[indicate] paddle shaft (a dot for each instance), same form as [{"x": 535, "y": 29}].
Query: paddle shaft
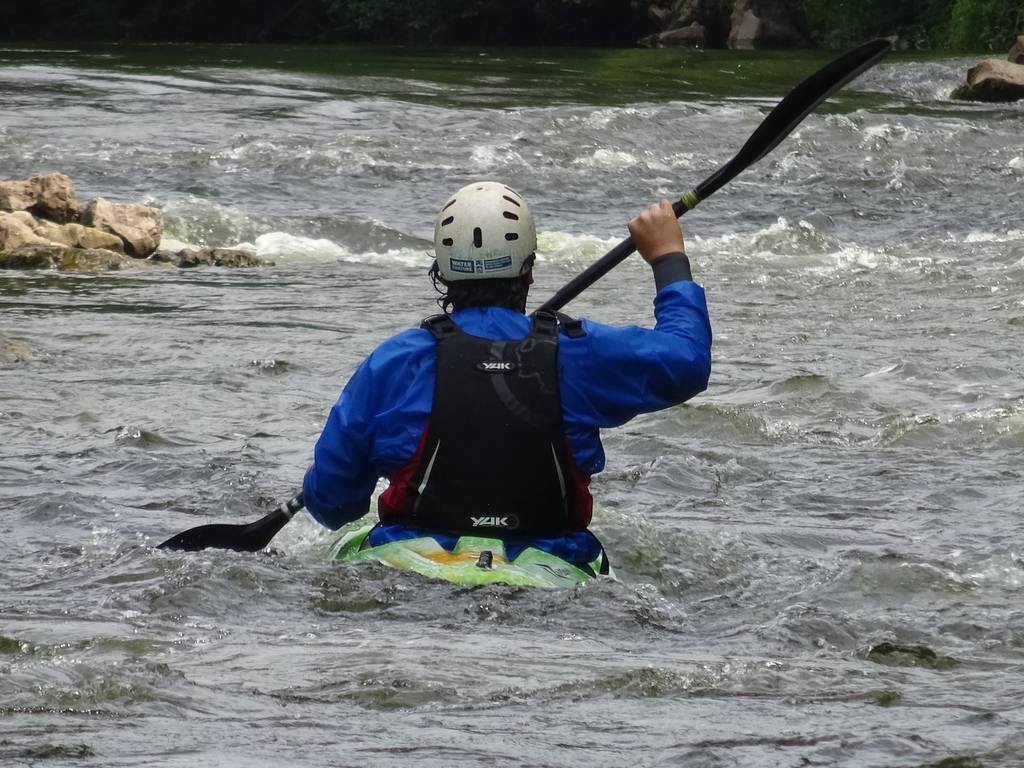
[
  {"x": 598, "y": 269},
  {"x": 779, "y": 123}
]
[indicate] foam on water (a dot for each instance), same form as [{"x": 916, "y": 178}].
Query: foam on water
[{"x": 293, "y": 249}]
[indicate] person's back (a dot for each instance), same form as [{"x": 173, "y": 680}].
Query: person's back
[{"x": 487, "y": 421}]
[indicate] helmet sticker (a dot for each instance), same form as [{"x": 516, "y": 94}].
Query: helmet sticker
[{"x": 503, "y": 262}]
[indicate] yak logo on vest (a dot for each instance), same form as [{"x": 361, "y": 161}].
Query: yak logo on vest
[
  {"x": 494, "y": 521},
  {"x": 491, "y": 366}
]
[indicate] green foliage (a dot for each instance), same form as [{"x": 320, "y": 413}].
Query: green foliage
[
  {"x": 985, "y": 25},
  {"x": 522, "y": 22},
  {"x": 519, "y": 22},
  {"x": 842, "y": 23},
  {"x": 959, "y": 24}
]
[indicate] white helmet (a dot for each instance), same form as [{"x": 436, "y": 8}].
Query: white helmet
[{"x": 484, "y": 231}]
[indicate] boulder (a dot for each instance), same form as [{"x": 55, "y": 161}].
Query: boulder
[
  {"x": 55, "y": 197},
  {"x": 12, "y": 351},
  {"x": 217, "y": 257},
  {"x": 1016, "y": 55},
  {"x": 992, "y": 80},
  {"x": 164, "y": 257},
  {"x": 16, "y": 196},
  {"x": 53, "y": 256},
  {"x": 96, "y": 260},
  {"x": 65, "y": 258},
  {"x": 16, "y": 230},
  {"x": 50, "y": 195},
  {"x": 233, "y": 257},
  {"x": 660, "y": 15},
  {"x": 45, "y": 256},
  {"x": 77, "y": 236},
  {"x": 687, "y": 23},
  {"x": 691, "y": 36},
  {"x": 765, "y": 24},
  {"x": 139, "y": 226}
]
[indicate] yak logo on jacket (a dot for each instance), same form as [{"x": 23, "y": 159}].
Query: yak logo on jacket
[
  {"x": 495, "y": 521},
  {"x": 495, "y": 366}
]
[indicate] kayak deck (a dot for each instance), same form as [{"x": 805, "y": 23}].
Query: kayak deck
[{"x": 475, "y": 560}]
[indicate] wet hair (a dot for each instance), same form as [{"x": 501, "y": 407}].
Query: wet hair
[{"x": 507, "y": 292}]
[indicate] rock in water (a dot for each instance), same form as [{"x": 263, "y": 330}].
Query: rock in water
[
  {"x": 32, "y": 256},
  {"x": 897, "y": 655},
  {"x": 99, "y": 244},
  {"x": 764, "y": 24},
  {"x": 12, "y": 351},
  {"x": 16, "y": 196},
  {"x": 77, "y": 236},
  {"x": 993, "y": 80},
  {"x": 213, "y": 257},
  {"x": 96, "y": 260},
  {"x": 688, "y": 23},
  {"x": 139, "y": 226},
  {"x": 53, "y": 256},
  {"x": 233, "y": 257},
  {"x": 1016, "y": 55},
  {"x": 50, "y": 195},
  {"x": 16, "y": 230},
  {"x": 691, "y": 36},
  {"x": 55, "y": 197}
]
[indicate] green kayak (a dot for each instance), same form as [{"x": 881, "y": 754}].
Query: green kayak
[{"x": 474, "y": 560}]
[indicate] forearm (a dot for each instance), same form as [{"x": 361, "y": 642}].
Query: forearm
[{"x": 671, "y": 268}]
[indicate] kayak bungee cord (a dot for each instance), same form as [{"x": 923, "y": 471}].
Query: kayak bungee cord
[{"x": 779, "y": 123}]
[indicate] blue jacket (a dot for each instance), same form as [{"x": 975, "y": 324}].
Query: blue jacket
[{"x": 607, "y": 377}]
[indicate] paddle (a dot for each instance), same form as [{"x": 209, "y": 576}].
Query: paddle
[
  {"x": 781, "y": 121},
  {"x": 241, "y": 538}
]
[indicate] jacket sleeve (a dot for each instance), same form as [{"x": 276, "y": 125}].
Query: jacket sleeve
[
  {"x": 338, "y": 486},
  {"x": 616, "y": 373}
]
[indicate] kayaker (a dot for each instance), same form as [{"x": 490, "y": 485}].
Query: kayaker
[{"x": 486, "y": 421}]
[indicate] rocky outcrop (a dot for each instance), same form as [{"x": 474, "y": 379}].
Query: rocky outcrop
[
  {"x": 692, "y": 36},
  {"x": 139, "y": 226},
  {"x": 752, "y": 24},
  {"x": 1016, "y": 55},
  {"x": 37, "y": 232},
  {"x": 55, "y": 197},
  {"x": 758, "y": 24},
  {"x": 210, "y": 257},
  {"x": 16, "y": 230},
  {"x": 688, "y": 23},
  {"x": 78, "y": 236},
  {"x": 12, "y": 351},
  {"x": 993, "y": 80},
  {"x": 16, "y": 196},
  {"x": 64, "y": 259},
  {"x": 50, "y": 195}
]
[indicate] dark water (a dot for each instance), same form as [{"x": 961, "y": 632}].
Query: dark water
[{"x": 852, "y": 477}]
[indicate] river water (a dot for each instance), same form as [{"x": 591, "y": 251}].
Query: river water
[{"x": 852, "y": 477}]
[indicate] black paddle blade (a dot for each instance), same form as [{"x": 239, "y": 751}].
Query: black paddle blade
[
  {"x": 241, "y": 538},
  {"x": 797, "y": 105}
]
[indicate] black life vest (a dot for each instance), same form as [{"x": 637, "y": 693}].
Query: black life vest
[{"x": 494, "y": 459}]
